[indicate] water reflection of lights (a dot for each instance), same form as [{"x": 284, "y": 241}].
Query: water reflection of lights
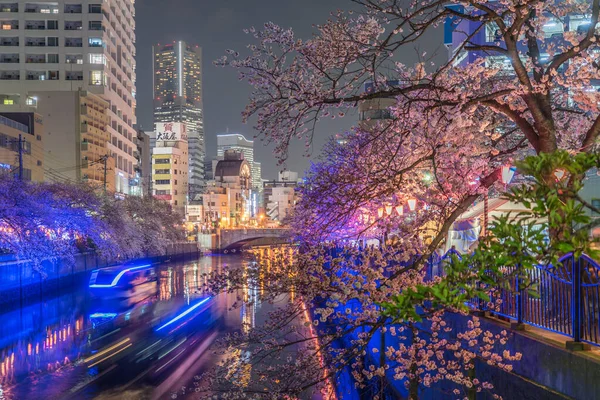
[
  {"x": 184, "y": 281},
  {"x": 186, "y": 285},
  {"x": 49, "y": 354},
  {"x": 170, "y": 282},
  {"x": 319, "y": 355}
]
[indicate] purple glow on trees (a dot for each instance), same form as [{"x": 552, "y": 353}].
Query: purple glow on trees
[{"x": 47, "y": 221}]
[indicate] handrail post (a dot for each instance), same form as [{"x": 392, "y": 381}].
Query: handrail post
[
  {"x": 519, "y": 300},
  {"x": 519, "y": 303},
  {"x": 576, "y": 266},
  {"x": 576, "y": 307}
]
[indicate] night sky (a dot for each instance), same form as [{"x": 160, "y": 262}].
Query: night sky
[{"x": 216, "y": 26}]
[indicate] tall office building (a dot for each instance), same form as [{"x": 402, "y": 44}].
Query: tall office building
[
  {"x": 55, "y": 46},
  {"x": 178, "y": 98},
  {"x": 235, "y": 141}
]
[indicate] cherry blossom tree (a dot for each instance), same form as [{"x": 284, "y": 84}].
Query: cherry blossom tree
[
  {"x": 450, "y": 129},
  {"x": 333, "y": 310},
  {"x": 154, "y": 222},
  {"x": 539, "y": 104},
  {"x": 48, "y": 221}
]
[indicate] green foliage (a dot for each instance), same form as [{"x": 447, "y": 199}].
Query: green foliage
[
  {"x": 556, "y": 222},
  {"x": 553, "y": 198}
]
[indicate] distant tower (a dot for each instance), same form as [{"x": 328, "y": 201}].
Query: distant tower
[{"x": 178, "y": 98}]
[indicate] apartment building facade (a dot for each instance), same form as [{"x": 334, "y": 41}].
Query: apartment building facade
[
  {"x": 22, "y": 146},
  {"x": 67, "y": 46}
]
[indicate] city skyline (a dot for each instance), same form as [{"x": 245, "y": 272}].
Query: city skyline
[
  {"x": 238, "y": 142},
  {"x": 210, "y": 26},
  {"x": 429, "y": 227}
]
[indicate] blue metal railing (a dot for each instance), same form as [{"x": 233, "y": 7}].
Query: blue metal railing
[{"x": 567, "y": 299}]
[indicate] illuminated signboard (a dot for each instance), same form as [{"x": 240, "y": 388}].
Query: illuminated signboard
[{"x": 171, "y": 131}]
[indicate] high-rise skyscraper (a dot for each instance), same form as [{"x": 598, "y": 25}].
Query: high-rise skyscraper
[
  {"x": 235, "y": 141},
  {"x": 50, "y": 47},
  {"x": 178, "y": 98}
]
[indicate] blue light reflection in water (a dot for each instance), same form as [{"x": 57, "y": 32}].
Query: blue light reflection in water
[{"x": 42, "y": 346}]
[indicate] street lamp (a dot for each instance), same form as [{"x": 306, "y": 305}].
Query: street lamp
[{"x": 380, "y": 212}]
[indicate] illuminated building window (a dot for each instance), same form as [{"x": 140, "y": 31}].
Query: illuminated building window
[
  {"x": 9, "y": 102},
  {"x": 97, "y": 59},
  {"x": 96, "y": 78},
  {"x": 95, "y": 42}
]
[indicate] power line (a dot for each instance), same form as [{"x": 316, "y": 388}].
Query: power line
[{"x": 56, "y": 177}]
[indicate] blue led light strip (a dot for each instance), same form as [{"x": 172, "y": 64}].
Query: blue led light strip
[
  {"x": 183, "y": 314},
  {"x": 119, "y": 275},
  {"x": 103, "y": 315}
]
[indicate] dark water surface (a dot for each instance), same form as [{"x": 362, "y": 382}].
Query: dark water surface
[{"x": 74, "y": 346}]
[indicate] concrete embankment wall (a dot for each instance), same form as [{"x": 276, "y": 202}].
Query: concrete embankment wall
[{"x": 21, "y": 284}]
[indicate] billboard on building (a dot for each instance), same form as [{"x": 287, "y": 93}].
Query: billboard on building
[{"x": 171, "y": 131}]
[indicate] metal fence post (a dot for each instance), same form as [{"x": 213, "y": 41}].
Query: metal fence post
[
  {"x": 520, "y": 304},
  {"x": 576, "y": 267},
  {"x": 576, "y": 307}
]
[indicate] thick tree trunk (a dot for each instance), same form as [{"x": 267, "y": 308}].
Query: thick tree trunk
[
  {"x": 413, "y": 386},
  {"x": 472, "y": 392}
]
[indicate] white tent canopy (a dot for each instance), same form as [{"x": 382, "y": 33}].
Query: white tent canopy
[{"x": 465, "y": 231}]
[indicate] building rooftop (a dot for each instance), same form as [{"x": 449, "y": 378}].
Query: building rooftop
[
  {"x": 14, "y": 124},
  {"x": 229, "y": 168}
]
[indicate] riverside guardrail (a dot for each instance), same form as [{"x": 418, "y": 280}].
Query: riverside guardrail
[{"x": 567, "y": 299}]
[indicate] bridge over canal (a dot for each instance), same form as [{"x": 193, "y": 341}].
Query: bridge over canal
[{"x": 232, "y": 240}]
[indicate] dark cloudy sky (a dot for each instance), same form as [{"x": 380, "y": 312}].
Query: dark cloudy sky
[{"x": 216, "y": 26}]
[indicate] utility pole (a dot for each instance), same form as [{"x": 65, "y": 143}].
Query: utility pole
[{"x": 20, "y": 157}]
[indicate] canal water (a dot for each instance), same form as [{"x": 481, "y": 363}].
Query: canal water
[{"x": 74, "y": 346}]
